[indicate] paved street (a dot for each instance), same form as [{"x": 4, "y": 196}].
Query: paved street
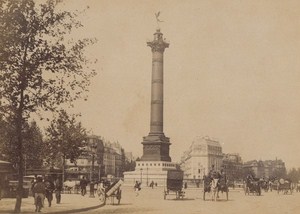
[
  {"x": 70, "y": 203},
  {"x": 150, "y": 201}
]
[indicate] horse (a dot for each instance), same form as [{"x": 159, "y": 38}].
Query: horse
[
  {"x": 214, "y": 185},
  {"x": 223, "y": 186}
]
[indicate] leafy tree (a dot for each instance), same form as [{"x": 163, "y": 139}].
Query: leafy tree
[
  {"x": 294, "y": 175},
  {"x": 7, "y": 150},
  {"x": 247, "y": 171},
  {"x": 66, "y": 138},
  {"x": 39, "y": 69},
  {"x": 33, "y": 146},
  {"x": 279, "y": 173},
  {"x": 129, "y": 165}
]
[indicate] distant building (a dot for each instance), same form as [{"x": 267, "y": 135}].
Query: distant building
[
  {"x": 129, "y": 157},
  {"x": 90, "y": 162},
  {"x": 267, "y": 168},
  {"x": 201, "y": 155},
  {"x": 100, "y": 158},
  {"x": 233, "y": 165},
  {"x": 114, "y": 159}
]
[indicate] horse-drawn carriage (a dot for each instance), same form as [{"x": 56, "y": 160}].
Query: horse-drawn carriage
[
  {"x": 252, "y": 186},
  {"x": 174, "y": 184},
  {"x": 285, "y": 186},
  {"x": 298, "y": 186},
  {"x": 214, "y": 186},
  {"x": 110, "y": 191}
]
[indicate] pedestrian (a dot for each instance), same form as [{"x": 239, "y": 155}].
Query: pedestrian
[
  {"x": 39, "y": 190},
  {"x": 83, "y": 184},
  {"x": 50, "y": 187},
  {"x": 58, "y": 189},
  {"x": 152, "y": 184},
  {"x": 137, "y": 187},
  {"x": 101, "y": 191}
]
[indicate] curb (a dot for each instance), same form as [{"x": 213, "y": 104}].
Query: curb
[
  {"x": 77, "y": 210},
  {"x": 59, "y": 212}
]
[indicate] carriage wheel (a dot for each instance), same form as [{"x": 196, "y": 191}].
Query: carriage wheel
[{"x": 102, "y": 198}]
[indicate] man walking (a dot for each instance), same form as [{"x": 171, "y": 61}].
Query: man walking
[
  {"x": 83, "y": 184},
  {"x": 58, "y": 189}
]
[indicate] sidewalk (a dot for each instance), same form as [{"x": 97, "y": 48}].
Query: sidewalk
[{"x": 70, "y": 203}]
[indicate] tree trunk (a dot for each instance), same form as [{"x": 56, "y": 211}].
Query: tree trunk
[
  {"x": 20, "y": 162},
  {"x": 19, "y": 127},
  {"x": 63, "y": 169}
]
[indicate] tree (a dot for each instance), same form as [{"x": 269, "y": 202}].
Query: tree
[
  {"x": 33, "y": 146},
  {"x": 39, "y": 69},
  {"x": 66, "y": 138},
  {"x": 247, "y": 171},
  {"x": 7, "y": 137},
  {"x": 294, "y": 175}
]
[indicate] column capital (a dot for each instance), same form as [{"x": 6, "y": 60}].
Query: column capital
[{"x": 159, "y": 44}]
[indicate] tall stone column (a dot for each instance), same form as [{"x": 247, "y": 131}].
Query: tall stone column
[{"x": 156, "y": 145}]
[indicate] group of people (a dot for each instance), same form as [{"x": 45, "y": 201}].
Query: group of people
[{"x": 44, "y": 188}]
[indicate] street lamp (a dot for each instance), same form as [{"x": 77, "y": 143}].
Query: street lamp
[
  {"x": 147, "y": 176},
  {"x": 92, "y": 149},
  {"x": 141, "y": 175}
]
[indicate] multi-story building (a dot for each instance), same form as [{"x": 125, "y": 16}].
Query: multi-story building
[
  {"x": 199, "y": 158},
  {"x": 90, "y": 162},
  {"x": 114, "y": 159},
  {"x": 100, "y": 159},
  {"x": 233, "y": 165},
  {"x": 267, "y": 168}
]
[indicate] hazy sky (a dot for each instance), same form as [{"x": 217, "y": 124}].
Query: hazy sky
[{"x": 231, "y": 72}]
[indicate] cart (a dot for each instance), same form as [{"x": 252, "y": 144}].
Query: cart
[
  {"x": 112, "y": 192},
  {"x": 174, "y": 184},
  {"x": 285, "y": 186},
  {"x": 252, "y": 186}
]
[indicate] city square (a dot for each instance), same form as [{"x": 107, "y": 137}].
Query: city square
[
  {"x": 101, "y": 113},
  {"x": 151, "y": 201}
]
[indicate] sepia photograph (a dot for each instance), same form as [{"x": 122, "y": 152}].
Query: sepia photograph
[{"x": 150, "y": 106}]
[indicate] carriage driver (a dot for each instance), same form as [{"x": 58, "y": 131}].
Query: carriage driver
[{"x": 214, "y": 174}]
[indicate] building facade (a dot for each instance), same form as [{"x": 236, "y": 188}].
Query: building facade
[
  {"x": 89, "y": 164},
  {"x": 266, "y": 169},
  {"x": 199, "y": 158},
  {"x": 100, "y": 159},
  {"x": 233, "y": 166}
]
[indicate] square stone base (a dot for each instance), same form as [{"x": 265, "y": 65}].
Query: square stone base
[{"x": 148, "y": 171}]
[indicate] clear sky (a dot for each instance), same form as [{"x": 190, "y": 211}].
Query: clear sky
[{"x": 231, "y": 72}]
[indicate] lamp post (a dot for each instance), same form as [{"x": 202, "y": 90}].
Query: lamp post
[
  {"x": 141, "y": 175},
  {"x": 147, "y": 176},
  {"x": 92, "y": 149}
]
